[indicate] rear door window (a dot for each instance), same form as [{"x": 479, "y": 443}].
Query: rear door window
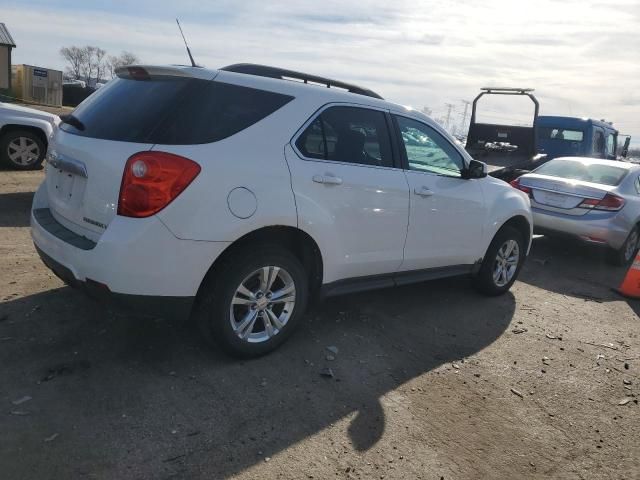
[
  {"x": 172, "y": 110},
  {"x": 348, "y": 134}
]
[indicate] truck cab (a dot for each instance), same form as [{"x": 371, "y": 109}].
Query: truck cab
[{"x": 577, "y": 137}]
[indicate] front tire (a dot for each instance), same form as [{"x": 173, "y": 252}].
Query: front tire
[
  {"x": 502, "y": 262},
  {"x": 253, "y": 301},
  {"x": 22, "y": 150}
]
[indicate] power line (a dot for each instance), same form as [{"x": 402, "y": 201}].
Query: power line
[
  {"x": 464, "y": 115},
  {"x": 449, "y": 108}
]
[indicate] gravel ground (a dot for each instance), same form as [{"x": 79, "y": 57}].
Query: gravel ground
[{"x": 430, "y": 381}]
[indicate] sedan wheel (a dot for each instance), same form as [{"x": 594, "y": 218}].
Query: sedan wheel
[
  {"x": 631, "y": 246},
  {"x": 625, "y": 254},
  {"x": 23, "y": 151}
]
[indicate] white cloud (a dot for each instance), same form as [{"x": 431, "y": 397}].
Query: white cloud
[{"x": 580, "y": 56}]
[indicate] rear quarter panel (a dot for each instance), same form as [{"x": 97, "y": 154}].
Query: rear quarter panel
[{"x": 252, "y": 159}]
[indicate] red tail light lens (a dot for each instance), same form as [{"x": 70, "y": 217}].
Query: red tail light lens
[
  {"x": 152, "y": 180},
  {"x": 610, "y": 202},
  {"x": 516, "y": 184}
]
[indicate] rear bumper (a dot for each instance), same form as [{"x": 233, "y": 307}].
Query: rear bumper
[
  {"x": 160, "y": 306},
  {"x": 607, "y": 229},
  {"x": 141, "y": 263}
]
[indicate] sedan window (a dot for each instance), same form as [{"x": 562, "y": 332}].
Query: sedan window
[{"x": 585, "y": 172}]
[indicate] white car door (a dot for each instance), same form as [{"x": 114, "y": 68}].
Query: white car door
[
  {"x": 447, "y": 212},
  {"x": 350, "y": 196}
]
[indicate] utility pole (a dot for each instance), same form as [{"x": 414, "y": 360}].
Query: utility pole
[
  {"x": 449, "y": 108},
  {"x": 464, "y": 115}
]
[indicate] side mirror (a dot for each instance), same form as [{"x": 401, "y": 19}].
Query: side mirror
[{"x": 476, "y": 169}]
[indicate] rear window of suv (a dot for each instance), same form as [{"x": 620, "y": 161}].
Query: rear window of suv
[{"x": 172, "y": 110}]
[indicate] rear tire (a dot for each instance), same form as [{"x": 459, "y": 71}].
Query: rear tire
[
  {"x": 625, "y": 254},
  {"x": 22, "y": 150},
  {"x": 502, "y": 262},
  {"x": 243, "y": 316}
]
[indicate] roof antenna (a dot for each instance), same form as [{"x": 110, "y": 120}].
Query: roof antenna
[{"x": 193, "y": 63}]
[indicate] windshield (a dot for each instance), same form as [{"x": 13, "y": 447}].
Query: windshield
[{"x": 576, "y": 170}]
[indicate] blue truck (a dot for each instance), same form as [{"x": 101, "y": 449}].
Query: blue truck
[
  {"x": 579, "y": 137},
  {"x": 511, "y": 150}
]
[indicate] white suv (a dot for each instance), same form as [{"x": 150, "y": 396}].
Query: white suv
[{"x": 236, "y": 194}]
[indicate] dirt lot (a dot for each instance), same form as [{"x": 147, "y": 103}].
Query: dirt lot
[{"x": 431, "y": 381}]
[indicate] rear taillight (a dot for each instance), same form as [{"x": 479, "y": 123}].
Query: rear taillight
[
  {"x": 610, "y": 202},
  {"x": 516, "y": 184},
  {"x": 152, "y": 180}
]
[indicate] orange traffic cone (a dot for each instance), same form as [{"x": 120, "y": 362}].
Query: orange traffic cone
[{"x": 630, "y": 286}]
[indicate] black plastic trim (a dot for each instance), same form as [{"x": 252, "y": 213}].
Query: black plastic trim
[
  {"x": 158, "y": 306},
  {"x": 46, "y": 220},
  {"x": 372, "y": 282}
]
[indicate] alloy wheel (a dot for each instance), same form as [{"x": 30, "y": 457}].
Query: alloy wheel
[
  {"x": 262, "y": 304},
  {"x": 506, "y": 263},
  {"x": 23, "y": 151}
]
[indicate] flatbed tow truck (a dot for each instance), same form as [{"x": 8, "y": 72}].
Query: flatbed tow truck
[{"x": 508, "y": 150}]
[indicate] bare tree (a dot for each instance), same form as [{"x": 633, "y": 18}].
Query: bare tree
[
  {"x": 75, "y": 56},
  {"x": 92, "y": 64},
  {"x": 99, "y": 62},
  {"x": 124, "y": 59}
]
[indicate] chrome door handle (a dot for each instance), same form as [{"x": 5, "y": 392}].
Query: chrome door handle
[
  {"x": 327, "y": 179},
  {"x": 423, "y": 191}
]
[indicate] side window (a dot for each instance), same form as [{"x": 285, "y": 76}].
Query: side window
[
  {"x": 598, "y": 142},
  {"x": 427, "y": 150},
  {"x": 311, "y": 143},
  {"x": 636, "y": 183},
  {"x": 348, "y": 134},
  {"x": 611, "y": 150}
]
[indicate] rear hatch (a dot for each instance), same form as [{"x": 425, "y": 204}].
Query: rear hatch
[
  {"x": 588, "y": 187},
  {"x": 87, "y": 156}
]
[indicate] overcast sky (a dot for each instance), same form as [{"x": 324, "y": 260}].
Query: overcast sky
[{"x": 582, "y": 57}]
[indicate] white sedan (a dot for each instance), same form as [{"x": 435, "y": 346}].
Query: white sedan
[{"x": 24, "y": 135}]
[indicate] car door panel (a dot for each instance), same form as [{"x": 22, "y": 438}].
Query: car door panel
[
  {"x": 360, "y": 223},
  {"x": 356, "y": 212},
  {"x": 445, "y": 226},
  {"x": 447, "y": 212}
]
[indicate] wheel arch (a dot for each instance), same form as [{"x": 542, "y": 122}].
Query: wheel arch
[
  {"x": 520, "y": 223},
  {"x": 300, "y": 243},
  {"x": 12, "y": 127}
]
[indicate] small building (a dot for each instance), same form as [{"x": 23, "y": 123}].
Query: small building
[
  {"x": 6, "y": 45},
  {"x": 37, "y": 85}
]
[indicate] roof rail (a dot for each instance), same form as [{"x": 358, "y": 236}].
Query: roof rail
[{"x": 284, "y": 74}]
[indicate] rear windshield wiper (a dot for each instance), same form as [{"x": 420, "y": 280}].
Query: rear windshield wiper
[{"x": 73, "y": 121}]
